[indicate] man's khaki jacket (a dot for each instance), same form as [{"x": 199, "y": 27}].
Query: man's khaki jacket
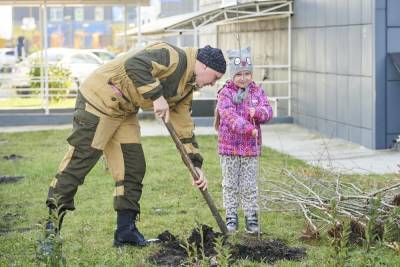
[{"x": 120, "y": 87}]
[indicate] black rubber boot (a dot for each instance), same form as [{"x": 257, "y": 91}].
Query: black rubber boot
[
  {"x": 126, "y": 233},
  {"x": 54, "y": 222}
]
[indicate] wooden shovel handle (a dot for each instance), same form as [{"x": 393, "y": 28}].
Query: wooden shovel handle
[{"x": 193, "y": 172}]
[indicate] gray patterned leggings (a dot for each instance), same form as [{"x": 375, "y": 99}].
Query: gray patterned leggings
[{"x": 239, "y": 176}]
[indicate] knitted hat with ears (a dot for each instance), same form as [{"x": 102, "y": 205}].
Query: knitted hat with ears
[{"x": 239, "y": 60}]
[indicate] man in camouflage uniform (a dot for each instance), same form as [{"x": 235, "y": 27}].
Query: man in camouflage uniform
[{"x": 160, "y": 76}]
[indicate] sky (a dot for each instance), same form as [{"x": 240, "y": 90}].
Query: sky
[{"x": 6, "y": 22}]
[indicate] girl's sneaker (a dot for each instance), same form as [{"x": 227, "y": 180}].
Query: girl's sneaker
[
  {"x": 252, "y": 224},
  {"x": 232, "y": 223}
]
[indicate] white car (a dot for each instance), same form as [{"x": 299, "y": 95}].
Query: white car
[
  {"x": 8, "y": 59},
  {"x": 79, "y": 62},
  {"x": 22, "y": 78},
  {"x": 103, "y": 54}
]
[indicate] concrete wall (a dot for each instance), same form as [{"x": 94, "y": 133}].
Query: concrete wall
[
  {"x": 333, "y": 90},
  {"x": 387, "y": 28}
]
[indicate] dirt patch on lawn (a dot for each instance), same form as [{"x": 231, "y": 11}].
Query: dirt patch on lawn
[
  {"x": 12, "y": 157},
  {"x": 10, "y": 216},
  {"x": 10, "y": 179},
  {"x": 8, "y": 221},
  {"x": 174, "y": 252}
]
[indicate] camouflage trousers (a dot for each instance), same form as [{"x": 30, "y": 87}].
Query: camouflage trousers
[{"x": 92, "y": 135}]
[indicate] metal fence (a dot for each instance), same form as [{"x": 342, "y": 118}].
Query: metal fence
[{"x": 17, "y": 87}]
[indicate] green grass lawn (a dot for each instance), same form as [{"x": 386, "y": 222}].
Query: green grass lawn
[{"x": 169, "y": 202}]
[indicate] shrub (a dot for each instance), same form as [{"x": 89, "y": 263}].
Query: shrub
[{"x": 59, "y": 82}]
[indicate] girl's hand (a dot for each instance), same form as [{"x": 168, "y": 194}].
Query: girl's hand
[
  {"x": 254, "y": 133},
  {"x": 252, "y": 112}
]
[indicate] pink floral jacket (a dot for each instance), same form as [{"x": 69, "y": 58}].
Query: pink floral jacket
[{"x": 236, "y": 125}]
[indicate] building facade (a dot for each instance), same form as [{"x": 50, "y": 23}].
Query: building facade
[
  {"x": 94, "y": 26},
  {"x": 171, "y": 8},
  {"x": 74, "y": 27},
  {"x": 343, "y": 82},
  {"x": 333, "y": 90},
  {"x": 387, "y": 78}
]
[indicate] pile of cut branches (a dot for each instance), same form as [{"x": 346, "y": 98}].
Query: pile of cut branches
[{"x": 328, "y": 202}]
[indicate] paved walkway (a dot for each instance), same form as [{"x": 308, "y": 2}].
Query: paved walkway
[
  {"x": 334, "y": 154},
  {"x": 147, "y": 128}
]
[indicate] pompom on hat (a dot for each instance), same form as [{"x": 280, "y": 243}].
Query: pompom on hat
[{"x": 213, "y": 58}]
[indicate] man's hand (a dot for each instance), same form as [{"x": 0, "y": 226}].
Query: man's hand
[
  {"x": 161, "y": 108},
  {"x": 201, "y": 183}
]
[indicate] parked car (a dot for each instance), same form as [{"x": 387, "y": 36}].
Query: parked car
[
  {"x": 22, "y": 78},
  {"x": 7, "y": 59},
  {"x": 80, "y": 63},
  {"x": 103, "y": 54}
]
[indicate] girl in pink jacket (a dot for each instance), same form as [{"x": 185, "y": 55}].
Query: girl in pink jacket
[{"x": 242, "y": 106}]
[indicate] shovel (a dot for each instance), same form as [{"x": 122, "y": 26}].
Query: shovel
[{"x": 194, "y": 173}]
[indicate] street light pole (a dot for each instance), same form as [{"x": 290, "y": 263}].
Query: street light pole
[
  {"x": 139, "y": 25},
  {"x": 125, "y": 27},
  {"x": 46, "y": 65}
]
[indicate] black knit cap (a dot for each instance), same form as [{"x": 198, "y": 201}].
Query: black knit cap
[{"x": 213, "y": 58}]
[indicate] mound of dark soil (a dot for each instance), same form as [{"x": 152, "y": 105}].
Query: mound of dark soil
[
  {"x": 173, "y": 252},
  {"x": 266, "y": 251},
  {"x": 209, "y": 238}
]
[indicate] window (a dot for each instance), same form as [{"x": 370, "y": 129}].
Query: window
[
  {"x": 228, "y": 2},
  {"x": 89, "y": 12},
  {"x": 91, "y": 60},
  {"x": 104, "y": 55},
  {"x": 99, "y": 13},
  {"x": 78, "y": 59},
  {"x": 54, "y": 56},
  {"x": 56, "y": 14},
  {"x": 84, "y": 59},
  {"x": 118, "y": 13},
  {"x": 132, "y": 14},
  {"x": 79, "y": 14}
]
